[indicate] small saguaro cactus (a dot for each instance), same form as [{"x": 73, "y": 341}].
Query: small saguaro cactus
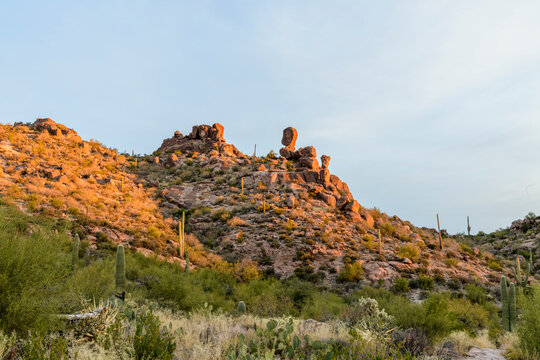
[
  {"x": 75, "y": 252},
  {"x": 517, "y": 273},
  {"x": 241, "y": 307},
  {"x": 187, "y": 261},
  {"x": 120, "y": 269},
  {"x": 440, "y": 237},
  {"x": 242, "y": 187},
  {"x": 468, "y": 227},
  {"x": 181, "y": 236},
  {"x": 508, "y": 304},
  {"x": 380, "y": 244}
]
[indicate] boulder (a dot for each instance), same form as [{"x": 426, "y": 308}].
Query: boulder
[
  {"x": 289, "y": 137},
  {"x": 343, "y": 200},
  {"x": 311, "y": 176},
  {"x": 309, "y": 163},
  {"x": 171, "y": 160},
  {"x": 287, "y": 152},
  {"x": 329, "y": 199},
  {"x": 306, "y": 152},
  {"x": 216, "y": 132},
  {"x": 324, "y": 176},
  {"x": 325, "y": 161},
  {"x": 353, "y": 206}
]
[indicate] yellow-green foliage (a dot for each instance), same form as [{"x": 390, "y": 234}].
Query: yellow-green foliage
[
  {"x": 409, "y": 251},
  {"x": 351, "y": 272}
]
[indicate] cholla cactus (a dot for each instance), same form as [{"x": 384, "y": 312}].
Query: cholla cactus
[{"x": 372, "y": 323}]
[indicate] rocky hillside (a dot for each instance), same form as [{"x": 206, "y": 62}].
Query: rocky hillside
[
  {"x": 292, "y": 216},
  {"x": 287, "y": 212},
  {"x": 47, "y": 168},
  {"x": 521, "y": 239}
]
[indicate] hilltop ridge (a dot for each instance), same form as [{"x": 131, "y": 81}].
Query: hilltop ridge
[{"x": 286, "y": 214}]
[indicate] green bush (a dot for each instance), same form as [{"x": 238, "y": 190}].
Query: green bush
[
  {"x": 351, "y": 273},
  {"x": 475, "y": 294},
  {"x": 400, "y": 285},
  {"x": 528, "y": 328},
  {"x": 33, "y": 266},
  {"x": 409, "y": 251},
  {"x": 151, "y": 342}
]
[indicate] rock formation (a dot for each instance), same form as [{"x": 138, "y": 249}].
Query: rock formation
[
  {"x": 289, "y": 141},
  {"x": 202, "y": 139}
]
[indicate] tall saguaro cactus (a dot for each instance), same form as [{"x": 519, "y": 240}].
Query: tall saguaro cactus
[
  {"x": 75, "y": 252},
  {"x": 120, "y": 269},
  {"x": 181, "y": 236},
  {"x": 517, "y": 273},
  {"x": 508, "y": 304},
  {"x": 440, "y": 237},
  {"x": 380, "y": 244}
]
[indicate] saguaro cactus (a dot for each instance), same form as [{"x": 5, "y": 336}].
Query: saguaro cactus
[
  {"x": 517, "y": 273},
  {"x": 181, "y": 236},
  {"x": 75, "y": 252},
  {"x": 440, "y": 237},
  {"x": 508, "y": 304},
  {"x": 468, "y": 227},
  {"x": 512, "y": 306},
  {"x": 120, "y": 269},
  {"x": 242, "y": 187},
  {"x": 187, "y": 261},
  {"x": 380, "y": 244}
]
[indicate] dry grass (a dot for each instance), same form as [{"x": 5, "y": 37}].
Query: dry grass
[
  {"x": 463, "y": 341},
  {"x": 207, "y": 336}
]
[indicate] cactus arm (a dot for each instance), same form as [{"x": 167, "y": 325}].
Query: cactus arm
[
  {"x": 504, "y": 305},
  {"x": 512, "y": 306},
  {"x": 75, "y": 252}
]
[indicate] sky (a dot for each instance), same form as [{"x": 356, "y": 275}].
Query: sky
[{"x": 425, "y": 107}]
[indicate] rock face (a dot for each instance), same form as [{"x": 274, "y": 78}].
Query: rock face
[
  {"x": 47, "y": 124},
  {"x": 202, "y": 139}
]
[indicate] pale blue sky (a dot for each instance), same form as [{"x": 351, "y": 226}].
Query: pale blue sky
[{"x": 424, "y": 106}]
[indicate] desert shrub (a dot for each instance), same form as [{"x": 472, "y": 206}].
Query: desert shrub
[
  {"x": 451, "y": 262},
  {"x": 475, "y": 294},
  {"x": 388, "y": 229},
  {"x": 424, "y": 282},
  {"x": 400, "y": 285},
  {"x": 32, "y": 268},
  {"x": 411, "y": 341},
  {"x": 528, "y": 328},
  {"x": 151, "y": 341},
  {"x": 322, "y": 306},
  {"x": 409, "y": 251},
  {"x": 351, "y": 272}
]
